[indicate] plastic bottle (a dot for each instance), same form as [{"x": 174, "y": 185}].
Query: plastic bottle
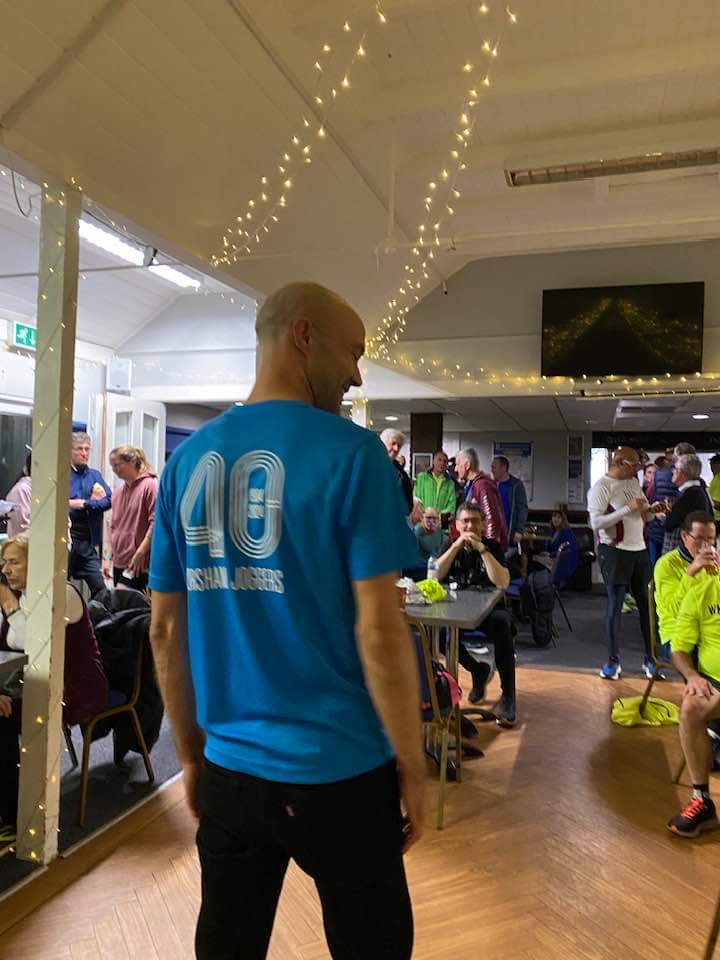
[{"x": 433, "y": 569}]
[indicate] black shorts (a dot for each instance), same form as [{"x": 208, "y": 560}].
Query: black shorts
[{"x": 621, "y": 567}]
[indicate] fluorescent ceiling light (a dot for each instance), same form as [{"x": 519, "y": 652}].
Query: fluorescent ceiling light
[
  {"x": 701, "y": 416},
  {"x": 392, "y": 419},
  {"x": 174, "y": 276},
  {"x": 111, "y": 243}
]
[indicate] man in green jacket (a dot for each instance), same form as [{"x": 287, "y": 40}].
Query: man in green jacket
[
  {"x": 434, "y": 489},
  {"x": 674, "y": 571},
  {"x": 696, "y": 655}
]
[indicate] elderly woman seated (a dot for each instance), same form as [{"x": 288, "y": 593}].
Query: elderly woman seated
[{"x": 85, "y": 685}]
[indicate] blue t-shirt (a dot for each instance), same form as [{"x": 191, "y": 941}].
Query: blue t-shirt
[
  {"x": 265, "y": 517},
  {"x": 504, "y": 488}
]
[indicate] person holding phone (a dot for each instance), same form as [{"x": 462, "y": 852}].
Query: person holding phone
[{"x": 618, "y": 510}]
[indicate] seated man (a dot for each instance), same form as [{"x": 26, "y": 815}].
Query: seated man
[
  {"x": 674, "y": 571},
  {"x": 696, "y": 655},
  {"x": 474, "y": 561},
  {"x": 432, "y": 541}
]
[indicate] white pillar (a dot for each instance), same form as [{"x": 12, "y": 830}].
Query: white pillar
[
  {"x": 48, "y": 555},
  {"x": 360, "y": 412}
]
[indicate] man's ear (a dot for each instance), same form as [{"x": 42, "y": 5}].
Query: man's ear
[{"x": 301, "y": 332}]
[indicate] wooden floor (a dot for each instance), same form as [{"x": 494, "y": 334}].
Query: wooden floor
[{"x": 555, "y": 847}]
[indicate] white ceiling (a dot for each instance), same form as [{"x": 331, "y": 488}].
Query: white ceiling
[
  {"x": 113, "y": 304},
  {"x": 169, "y": 111},
  {"x": 573, "y": 414}
]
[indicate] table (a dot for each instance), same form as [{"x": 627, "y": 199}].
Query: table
[
  {"x": 468, "y": 612},
  {"x": 10, "y": 661}
]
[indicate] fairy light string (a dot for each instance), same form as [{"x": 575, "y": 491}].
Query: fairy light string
[
  {"x": 248, "y": 230},
  {"x": 442, "y": 197}
]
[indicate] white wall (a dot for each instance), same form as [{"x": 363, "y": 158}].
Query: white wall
[
  {"x": 492, "y": 311},
  {"x": 549, "y": 460}
]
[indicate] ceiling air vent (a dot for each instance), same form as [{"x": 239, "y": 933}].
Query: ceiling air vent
[{"x": 646, "y": 162}]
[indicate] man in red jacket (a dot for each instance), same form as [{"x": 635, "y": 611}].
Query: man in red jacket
[{"x": 480, "y": 488}]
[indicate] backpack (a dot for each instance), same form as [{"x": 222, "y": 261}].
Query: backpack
[
  {"x": 447, "y": 691},
  {"x": 537, "y": 601}
]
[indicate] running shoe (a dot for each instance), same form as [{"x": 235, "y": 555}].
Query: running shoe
[
  {"x": 699, "y": 815},
  {"x": 648, "y": 668},
  {"x": 611, "y": 670}
]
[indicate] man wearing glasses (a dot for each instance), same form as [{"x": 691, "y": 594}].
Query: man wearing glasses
[
  {"x": 695, "y": 641},
  {"x": 618, "y": 509}
]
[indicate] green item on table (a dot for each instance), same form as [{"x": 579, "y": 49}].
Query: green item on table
[{"x": 432, "y": 590}]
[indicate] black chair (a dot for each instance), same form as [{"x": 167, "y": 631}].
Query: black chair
[
  {"x": 117, "y": 705},
  {"x": 553, "y": 571}
]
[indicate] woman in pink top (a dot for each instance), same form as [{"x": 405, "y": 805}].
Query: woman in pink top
[
  {"x": 132, "y": 518},
  {"x": 20, "y": 495}
]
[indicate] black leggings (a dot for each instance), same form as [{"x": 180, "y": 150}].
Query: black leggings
[
  {"x": 613, "y": 614},
  {"x": 498, "y": 631}
]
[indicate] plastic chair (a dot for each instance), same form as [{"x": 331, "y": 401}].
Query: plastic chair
[
  {"x": 88, "y": 727},
  {"x": 437, "y": 721}
]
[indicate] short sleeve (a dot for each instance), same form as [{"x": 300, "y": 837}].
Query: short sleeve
[
  {"x": 166, "y": 571},
  {"x": 376, "y": 535}
]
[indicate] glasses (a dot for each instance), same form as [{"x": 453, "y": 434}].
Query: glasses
[
  {"x": 701, "y": 540},
  {"x": 432, "y": 519}
]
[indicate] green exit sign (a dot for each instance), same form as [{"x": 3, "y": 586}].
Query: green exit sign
[{"x": 24, "y": 336}]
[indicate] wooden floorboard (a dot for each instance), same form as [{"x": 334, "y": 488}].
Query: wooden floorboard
[{"x": 555, "y": 848}]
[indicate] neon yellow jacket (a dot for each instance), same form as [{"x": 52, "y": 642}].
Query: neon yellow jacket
[
  {"x": 438, "y": 493},
  {"x": 671, "y": 582},
  {"x": 698, "y": 623}
]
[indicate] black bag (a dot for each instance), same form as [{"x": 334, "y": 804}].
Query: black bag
[{"x": 537, "y": 601}]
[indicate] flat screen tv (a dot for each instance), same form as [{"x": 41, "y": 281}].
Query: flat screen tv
[{"x": 643, "y": 330}]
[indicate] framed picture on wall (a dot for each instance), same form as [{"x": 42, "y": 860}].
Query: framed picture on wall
[{"x": 420, "y": 463}]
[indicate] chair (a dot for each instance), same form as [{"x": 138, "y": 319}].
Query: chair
[
  {"x": 128, "y": 706},
  {"x": 553, "y": 571},
  {"x": 437, "y": 722},
  {"x": 655, "y": 654}
]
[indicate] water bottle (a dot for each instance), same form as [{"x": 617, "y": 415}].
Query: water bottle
[{"x": 433, "y": 569}]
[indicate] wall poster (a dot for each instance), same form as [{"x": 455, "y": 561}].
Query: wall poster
[{"x": 520, "y": 455}]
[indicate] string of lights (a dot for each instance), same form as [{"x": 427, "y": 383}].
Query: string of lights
[
  {"x": 39, "y": 819},
  {"x": 440, "y": 201},
  {"x": 248, "y": 230}
]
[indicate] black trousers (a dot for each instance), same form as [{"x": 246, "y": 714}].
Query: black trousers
[
  {"x": 498, "y": 631},
  {"x": 85, "y": 565},
  {"x": 136, "y": 583},
  {"x": 347, "y": 836},
  {"x": 9, "y": 759}
]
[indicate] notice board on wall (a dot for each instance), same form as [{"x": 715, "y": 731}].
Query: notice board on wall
[{"x": 520, "y": 455}]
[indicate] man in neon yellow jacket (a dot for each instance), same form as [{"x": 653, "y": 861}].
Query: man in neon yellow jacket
[
  {"x": 434, "y": 489},
  {"x": 695, "y": 644},
  {"x": 674, "y": 571}
]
